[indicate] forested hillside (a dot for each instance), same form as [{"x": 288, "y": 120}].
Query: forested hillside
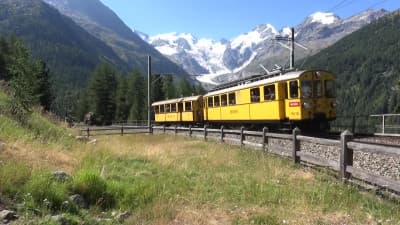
[
  {"x": 367, "y": 65},
  {"x": 69, "y": 50},
  {"x": 101, "y": 22}
]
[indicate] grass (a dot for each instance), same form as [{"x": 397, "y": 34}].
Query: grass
[{"x": 176, "y": 180}]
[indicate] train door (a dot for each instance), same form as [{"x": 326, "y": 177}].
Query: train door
[
  {"x": 292, "y": 102},
  {"x": 180, "y": 110}
]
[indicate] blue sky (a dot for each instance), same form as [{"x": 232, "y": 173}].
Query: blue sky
[{"x": 227, "y": 19}]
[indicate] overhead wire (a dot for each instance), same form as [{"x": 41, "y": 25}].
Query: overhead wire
[
  {"x": 378, "y": 3},
  {"x": 338, "y": 5}
]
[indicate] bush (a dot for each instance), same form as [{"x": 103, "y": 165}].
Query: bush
[
  {"x": 46, "y": 192},
  {"x": 12, "y": 176},
  {"x": 93, "y": 189}
]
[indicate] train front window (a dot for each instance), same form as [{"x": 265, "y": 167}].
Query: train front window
[
  {"x": 294, "y": 89},
  {"x": 330, "y": 89},
  {"x": 306, "y": 88},
  {"x": 269, "y": 93},
  {"x": 255, "y": 95},
  {"x": 188, "y": 106},
  {"x": 232, "y": 99},
  {"x": 156, "y": 109},
  {"x": 216, "y": 100},
  {"x": 223, "y": 100},
  {"x": 210, "y": 101},
  {"x": 317, "y": 88}
]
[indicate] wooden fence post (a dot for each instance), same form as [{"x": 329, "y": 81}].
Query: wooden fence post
[
  {"x": 88, "y": 132},
  {"x": 205, "y": 132},
  {"x": 346, "y": 155},
  {"x": 151, "y": 129},
  {"x": 190, "y": 130},
  {"x": 241, "y": 136},
  {"x": 296, "y": 145},
  {"x": 122, "y": 129},
  {"x": 164, "y": 128},
  {"x": 222, "y": 133},
  {"x": 176, "y": 129},
  {"x": 265, "y": 138}
]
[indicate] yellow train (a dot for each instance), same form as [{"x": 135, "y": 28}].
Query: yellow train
[{"x": 298, "y": 98}]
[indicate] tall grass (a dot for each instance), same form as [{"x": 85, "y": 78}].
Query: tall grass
[{"x": 174, "y": 180}]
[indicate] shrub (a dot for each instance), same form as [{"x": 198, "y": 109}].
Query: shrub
[
  {"x": 46, "y": 192},
  {"x": 12, "y": 177},
  {"x": 93, "y": 189}
]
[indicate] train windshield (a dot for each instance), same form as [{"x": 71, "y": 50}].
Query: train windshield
[
  {"x": 317, "y": 88},
  {"x": 330, "y": 89},
  {"x": 306, "y": 89}
]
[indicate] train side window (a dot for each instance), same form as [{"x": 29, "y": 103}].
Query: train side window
[
  {"x": 255, "y": 95},
  {"x": 306, "y": 89},
  {"x": 210, "y": 102},
  {"x": 216, "y": 100},
  {"x": 180, "y": 107},
  {"x": 317, "y": 88},
  {"x": 188, "y": 106},
  {"x": 285, "y": 90},
  {"x": 294, "y": 89},
  {"x": 223, "y": 100},
  {"x": 330, "y": 89},
  {"x": 173, "y": 107},
  {"x": 156, "y": 109},
  {"x": 161, "y": 108},
  {"x": 232, "y": 99},
  {"x": 269, "y": 93}
]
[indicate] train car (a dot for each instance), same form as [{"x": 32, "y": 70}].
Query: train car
[
  {"x": 186, "y": 110},
  {"x": 297, "y": 98}
]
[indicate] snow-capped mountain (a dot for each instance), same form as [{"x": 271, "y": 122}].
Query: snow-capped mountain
[
  {"x": 205, "y": 56},
  {"x": 222, "y": 61}
]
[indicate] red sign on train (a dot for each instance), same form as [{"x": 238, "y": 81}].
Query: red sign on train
[{"x": 294, "y": 104}]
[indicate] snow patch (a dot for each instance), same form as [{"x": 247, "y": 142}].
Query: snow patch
[
  {"x": 324, "y": 18},
  {"x": 246, "y": 40},
  {"x": 167, "y": 49}
]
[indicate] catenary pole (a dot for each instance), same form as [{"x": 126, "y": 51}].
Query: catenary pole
[
  {"x": 148, "y": 93},
  {"x": 292, "y": 49}
]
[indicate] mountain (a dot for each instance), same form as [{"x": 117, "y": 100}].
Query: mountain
[
  {"x": 223, "y": 61},
  {"x": 104, "y": 24},
  {"x": 70, "y": 51},
  {"x": 367, "y": 67},
  {"x": 205, "y": 56}
]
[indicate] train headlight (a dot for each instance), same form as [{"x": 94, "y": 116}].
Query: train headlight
[
  {"x": 306, "y": 105},
  {"x": 333, "y": 104}
]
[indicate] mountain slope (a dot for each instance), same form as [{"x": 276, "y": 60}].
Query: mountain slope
[
  {"x": 103, "y": 23},
  {"x": 367, "y": 68},
  {"x": 69, "y": 50}
]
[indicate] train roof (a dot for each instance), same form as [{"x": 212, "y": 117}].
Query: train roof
[
  {"x": 177, "y": 100},
  {"x": 251, "y": 83}
]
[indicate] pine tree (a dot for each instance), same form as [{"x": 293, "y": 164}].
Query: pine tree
[
  {"x": 82, "y": 105},
  {"x": 137, "y": 97},
  {"x": 169, "y": 87},
  {"x": 3, "y": 53},
  {"x": 157, "y": 90},
  {"x": 102, "y": 92},
  {"x": 184, "y": 88},
  {"x": 43, "y": 85},
  {"x": 122, "y": 101},
  {"x": 19, "y": 70},
  {"x": 199, "y": 90}
]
